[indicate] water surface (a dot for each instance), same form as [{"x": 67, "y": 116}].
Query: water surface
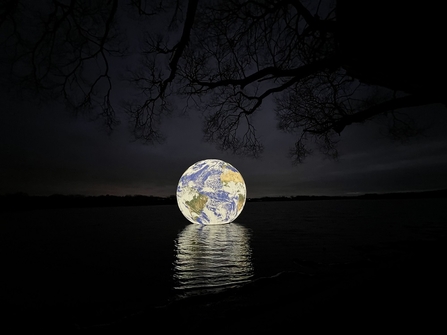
[
  {"x": 211, "y": 258},
  {"x": 111, "y": 259}
]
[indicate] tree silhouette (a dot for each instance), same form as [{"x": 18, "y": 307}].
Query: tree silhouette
[{"x": 325, "y": 65}]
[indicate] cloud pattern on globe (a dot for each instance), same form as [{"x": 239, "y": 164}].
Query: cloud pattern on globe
[{"x": 211, "y": 191}]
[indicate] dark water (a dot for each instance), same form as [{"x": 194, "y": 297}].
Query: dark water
[{"x": 105, "y": 260}]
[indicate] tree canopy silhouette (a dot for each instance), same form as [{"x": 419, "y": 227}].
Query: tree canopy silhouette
[{"x": 324, "y": 64}]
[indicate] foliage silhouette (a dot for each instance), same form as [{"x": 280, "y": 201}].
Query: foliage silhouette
[{"x": 325, "y": 65}]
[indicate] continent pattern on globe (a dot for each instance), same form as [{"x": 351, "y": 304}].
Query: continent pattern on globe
[{"x": 211, "y": 191}]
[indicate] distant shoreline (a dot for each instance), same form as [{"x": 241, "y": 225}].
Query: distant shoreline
[
  {"x": 395, "y": 195},
  {"x": 22, "y": 201}
]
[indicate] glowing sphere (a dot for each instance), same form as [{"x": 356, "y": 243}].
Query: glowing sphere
[{"x": 211, "y": 192}]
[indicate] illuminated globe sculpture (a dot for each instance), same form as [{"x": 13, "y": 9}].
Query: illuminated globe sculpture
[{"x": 211, "y": 192}]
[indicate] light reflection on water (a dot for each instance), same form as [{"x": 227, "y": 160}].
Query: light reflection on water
[{"x": 210, "y": 258}]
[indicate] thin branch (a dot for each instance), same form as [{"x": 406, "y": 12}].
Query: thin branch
[
  {"x": 329, "y": 63},
  {"x": 181, "y": 45},
  {"x": 390, "y": 105}
]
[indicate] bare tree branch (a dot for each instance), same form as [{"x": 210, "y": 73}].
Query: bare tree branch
[
  {"x": 387, "y": 106},
  {"x": 225, "y": 59}
]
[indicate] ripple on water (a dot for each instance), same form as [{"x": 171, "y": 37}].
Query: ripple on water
[{"x": 210, "y": 258}]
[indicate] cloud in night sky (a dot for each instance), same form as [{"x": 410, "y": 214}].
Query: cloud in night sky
[{"x": 47, "y": 150}]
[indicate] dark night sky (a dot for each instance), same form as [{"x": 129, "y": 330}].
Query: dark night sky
[{"x": 46, "y": 150}]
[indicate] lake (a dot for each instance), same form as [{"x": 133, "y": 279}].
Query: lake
[{"x": 96, "y": 263}]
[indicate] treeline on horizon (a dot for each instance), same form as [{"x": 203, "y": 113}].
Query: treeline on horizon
[
  {"x": 396, "y": 195},
  {"x": 23, "y": 201}
]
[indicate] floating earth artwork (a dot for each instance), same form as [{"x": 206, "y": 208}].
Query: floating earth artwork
[{"x": 211, "y": 192}]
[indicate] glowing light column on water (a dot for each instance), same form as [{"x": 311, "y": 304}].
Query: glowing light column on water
[{"x": 211, "y": 191}]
